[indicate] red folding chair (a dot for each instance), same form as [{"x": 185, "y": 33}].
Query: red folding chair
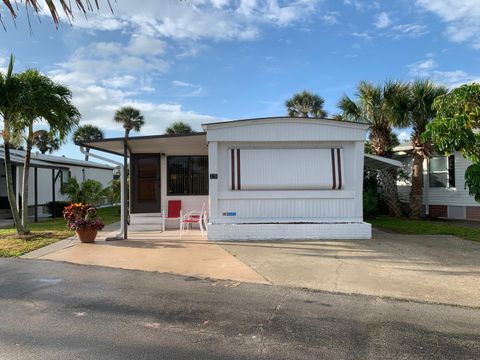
[
  {"x": 174, "y": 212},
  {"x": 194, "y": 217}
]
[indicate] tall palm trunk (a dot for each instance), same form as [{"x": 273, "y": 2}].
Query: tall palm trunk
[
  {"x": 389, "y": 191},
  {"x": 416, "y": 191},
  {"x": 9, "y": 178},
  {"x": 380, "y": 138},
  {"x": 87, "y": 150},
  {"x": 26, "y": 175}
]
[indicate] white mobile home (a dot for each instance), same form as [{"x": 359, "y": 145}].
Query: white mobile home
[
  {"x": 444, "y": 192},
  {"x": 268, "y": 178},
  {"x": 286, "y": 178},
  {"x": 47, "y": 174}
]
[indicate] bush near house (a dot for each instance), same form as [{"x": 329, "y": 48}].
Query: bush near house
[{"x": 56, "y": 208}]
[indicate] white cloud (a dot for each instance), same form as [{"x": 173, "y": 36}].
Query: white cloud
[
  {"x": 97, "y": 104},
  {"x": 452, "y": 78},
  {"x": 330, "y": 18},
  {"x": 409, "y": 31},
  {"x": 104, "y": 76},
  {"x": 145, "y": 45},
  {"x": 362, "y": 5},
  {"x": 193, "y": 90},
  {"x": 462, "y": 18},
  {"x": 422, "y": 68},
  {"x": 197, "y": 19},
  {"x": 362, "y": 35},
  {"x": 382, "y": 20}
]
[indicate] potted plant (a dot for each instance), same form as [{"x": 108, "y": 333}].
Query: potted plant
[{"x": 83, "y": 218}]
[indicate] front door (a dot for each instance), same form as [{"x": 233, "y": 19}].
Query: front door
[{"x": 146, "y": 183}]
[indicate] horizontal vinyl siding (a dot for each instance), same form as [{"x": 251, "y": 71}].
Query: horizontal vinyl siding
[
  {"x": 451, "y": 196},
  {"x": 289, "y": 208},
  {"x": 457, "y": 196}
]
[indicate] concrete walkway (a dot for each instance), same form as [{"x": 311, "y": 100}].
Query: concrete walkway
[
  {"x": 439, "y": 269},
  {"x": 166, "y": 252}
]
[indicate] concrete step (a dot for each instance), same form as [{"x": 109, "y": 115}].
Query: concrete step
[
  {"x": 145, "y": 227},
  {"x": 145, "y": 221},
  {"x": 145, "y": 215}
]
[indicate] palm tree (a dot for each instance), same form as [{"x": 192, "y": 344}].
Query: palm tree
[
  {"x": 44, "y": 142},
  {"x": 45, "y": 101},
  {"x": 377, "y": 106},
  {"x": 130, "y": 118},
  {"x": 420, "y": 113},
  {"x": 179, "y": 128},
  {"x": 11, "y": 98},
  {"x": 87, "y": 132},
  {"x": 305, "y": 104},
  {"x": 65, "y": 5}
]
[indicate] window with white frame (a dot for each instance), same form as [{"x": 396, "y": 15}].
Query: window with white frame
[{"x": 441, "y": 172}]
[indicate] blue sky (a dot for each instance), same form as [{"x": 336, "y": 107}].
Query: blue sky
[{"x": 209, "y": 60}]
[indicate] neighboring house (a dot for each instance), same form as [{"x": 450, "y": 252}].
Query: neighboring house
[
  {"x": 268, "y": 178},
  {"x": 48, "y": 172},
  {"x": 444, "y": 192}
]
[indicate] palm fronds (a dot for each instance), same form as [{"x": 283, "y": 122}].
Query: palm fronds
[{"x": 83, "y": 6}]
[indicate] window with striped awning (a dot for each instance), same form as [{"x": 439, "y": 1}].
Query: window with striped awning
[{"x": 286, "y": 169}]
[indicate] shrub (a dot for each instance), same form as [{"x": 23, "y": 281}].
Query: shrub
[
  {"x": 56, "y": 209},
  {"x": 88, "y": 192}
]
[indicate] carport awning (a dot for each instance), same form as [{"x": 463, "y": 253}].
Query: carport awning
[
  {"x": 374, "y": 162},
  {"x": 150, "y": 144}
]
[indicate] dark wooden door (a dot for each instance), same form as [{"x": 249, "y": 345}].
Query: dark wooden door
[{"x": 146, "y": 183}]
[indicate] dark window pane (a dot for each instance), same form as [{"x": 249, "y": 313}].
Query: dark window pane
[
  {"x": 199, "y": 172},
  {"x": 438, "y": 180},
  {"x": 187, "y": 175},
  {"x": 451, "y": 171}
]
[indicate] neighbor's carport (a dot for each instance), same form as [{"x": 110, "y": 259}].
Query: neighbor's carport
[{"x": 18, "y": 160}]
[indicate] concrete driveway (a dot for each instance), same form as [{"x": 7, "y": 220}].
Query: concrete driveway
[{"x": 440, "y": 269}]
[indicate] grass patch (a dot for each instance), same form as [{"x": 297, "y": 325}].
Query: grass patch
[
  {"x": 45, "y": 233},
  {"x": 426, "y": 227}
]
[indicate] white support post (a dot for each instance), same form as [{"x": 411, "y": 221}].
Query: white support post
[
  {"x": 358, "y": 150},
  {"x": 17, "y": 185},
  {"x": 213, "y": 180}
]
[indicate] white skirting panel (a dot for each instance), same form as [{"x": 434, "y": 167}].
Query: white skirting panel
[{"x": 319, "y": 231}]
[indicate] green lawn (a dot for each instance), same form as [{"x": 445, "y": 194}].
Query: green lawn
[
  {"x": 426, "y": 227},
  {"x": 45, "y": 233}
]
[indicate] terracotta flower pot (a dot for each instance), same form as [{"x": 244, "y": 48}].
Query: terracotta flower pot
[{"x": 87, "y": 235}]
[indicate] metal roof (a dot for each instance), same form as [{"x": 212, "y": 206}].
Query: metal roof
[
  {"x": 50, "y": 161},
  {"x": 149, "y": 144},
  {"x": 231, "y": 122},
  {"x": 380, "y": 163}
]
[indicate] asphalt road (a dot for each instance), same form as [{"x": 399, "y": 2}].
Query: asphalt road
[{"x": 51, "y": 310}]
